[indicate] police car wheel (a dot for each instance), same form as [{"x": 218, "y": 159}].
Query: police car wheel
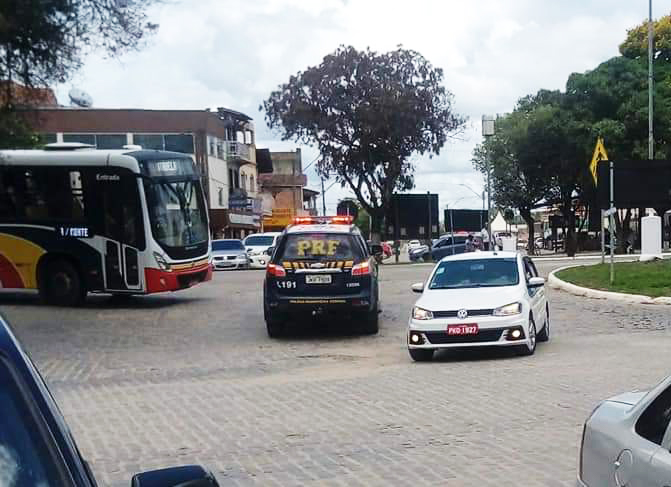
[
  {"x": 371, "y": 322},
  {"x": 275, "y": 328}
]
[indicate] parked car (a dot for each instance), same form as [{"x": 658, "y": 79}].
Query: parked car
[
  {"x": 479, "y": 299},
  {"x": 259, "y": 248},
  {"x": 413, "y": 244},
  {"x": 229, "y": 254},
  {"x": 36, "y": 446},
  {"x": 449, "y": 245},
  {"x": 420, "y": 253},
  {"x": 499, "y": 236},
  {"x": 626, "y": 441}
]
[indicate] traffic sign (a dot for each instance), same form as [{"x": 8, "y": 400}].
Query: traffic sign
[{"x": 600, "y": 154}]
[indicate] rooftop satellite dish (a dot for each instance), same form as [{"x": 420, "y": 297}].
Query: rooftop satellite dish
[{"x": 80, "y": 98}]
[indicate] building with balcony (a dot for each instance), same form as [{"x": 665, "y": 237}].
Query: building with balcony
[
  {"x": 282, "y": 181},
  {"x": 221, "y": 143}
]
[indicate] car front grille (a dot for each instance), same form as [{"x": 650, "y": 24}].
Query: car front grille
[
  {"x": 471, "y": 312},
  {"x": 442, "y": 338}
]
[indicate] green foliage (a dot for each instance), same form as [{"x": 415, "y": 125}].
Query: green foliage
[
  {"x": 43, "y": 41},
  {"x": 367, "y": 113},
  {"x": 646, "y": 278},
  {"x": 15, "y": 133},
  {"x": 635, "y": 45}
]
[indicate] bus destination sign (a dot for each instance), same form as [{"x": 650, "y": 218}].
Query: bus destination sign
[{"x": 169, "y": 167}]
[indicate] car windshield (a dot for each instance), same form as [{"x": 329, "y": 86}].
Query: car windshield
[
  {"x": 319, "y": 246},
  {"x": 25, "y": 458},
  {"x": 227, "y": 245},
  {"x": 259, "y": 240},
  {"x": 458, "y": 274},
  {"x": 177, "y": 212}
]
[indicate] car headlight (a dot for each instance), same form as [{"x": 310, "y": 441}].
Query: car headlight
[
  {"x": 242, "y": 256},
  {"x": 421, "y": 314},
  {"x": 161, "y": 262},
  {"x": 508, "y": 310}
]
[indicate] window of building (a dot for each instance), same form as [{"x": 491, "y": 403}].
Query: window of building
[
  {"x": 149, "y": 141},
  {"x": 251, "y": 184},
  {"x": 179, "y": 143},
  {"x": 221, "y": 196},
  {"x": 230, "y": 133},
  {"x": 111, "y": 141},
  {"x": 220, "y": 149},
  {"x": 211, "y": 147},
  {"x": 83, "y": 138}
]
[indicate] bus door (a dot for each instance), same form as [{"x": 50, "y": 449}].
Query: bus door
[{"x": 122, "y": 229}]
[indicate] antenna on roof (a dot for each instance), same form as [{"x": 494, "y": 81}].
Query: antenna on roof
[{"x": 79, "y": 98}]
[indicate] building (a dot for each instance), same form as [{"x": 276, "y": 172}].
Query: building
[
  {"x": 221, "y": 142},
  {"x": 282, "y": 187},
  {"x": 21, "y": 96}
]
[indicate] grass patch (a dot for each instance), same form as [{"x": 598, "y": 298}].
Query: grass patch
[{"x": 647, "y": 278}]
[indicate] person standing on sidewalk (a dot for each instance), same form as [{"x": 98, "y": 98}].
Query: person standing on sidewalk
[{"x": 485, "y": 239}]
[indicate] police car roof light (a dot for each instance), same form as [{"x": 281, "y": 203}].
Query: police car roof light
[{"x": 324, "y": 220}]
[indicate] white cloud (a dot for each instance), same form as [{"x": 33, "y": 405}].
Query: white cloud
[{"x": 232, "y": 53}]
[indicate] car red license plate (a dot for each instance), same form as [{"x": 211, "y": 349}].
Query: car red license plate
[{"x": 463, "y": 329}]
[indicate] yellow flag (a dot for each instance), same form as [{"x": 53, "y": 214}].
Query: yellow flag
[{"x": 600, "y": 154}]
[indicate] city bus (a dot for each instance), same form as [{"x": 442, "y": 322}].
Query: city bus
[{"x": 75, "y": 220}]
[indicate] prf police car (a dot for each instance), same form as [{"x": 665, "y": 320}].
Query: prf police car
[{"x": 321, "y": 266}]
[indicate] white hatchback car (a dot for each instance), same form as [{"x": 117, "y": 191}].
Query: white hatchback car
[
  {"x": 258, "y": 246},
  {"x": 479, "y": 299}
]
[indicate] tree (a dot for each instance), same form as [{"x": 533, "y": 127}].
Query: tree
[
  {"x": 517, "y": 176},
  {"x": 367, "y": 113},
  {"x": 43, "y": 41}
]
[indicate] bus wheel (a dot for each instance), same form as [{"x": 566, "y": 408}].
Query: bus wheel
[{"x": 61, "y": 284}]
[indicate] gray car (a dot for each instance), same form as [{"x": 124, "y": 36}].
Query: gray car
[
  {"x": 229, "y": 254},
  {"x": 626, "y": 441}
]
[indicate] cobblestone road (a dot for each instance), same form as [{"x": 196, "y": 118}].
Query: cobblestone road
[{"x": 192, "y": 377}]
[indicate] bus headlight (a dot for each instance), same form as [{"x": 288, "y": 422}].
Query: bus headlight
[{"x": 161, "y": 262}]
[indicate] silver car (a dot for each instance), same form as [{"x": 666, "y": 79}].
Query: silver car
[
  {"x": 626, "y": 441},
  {"x": 229, "y": 254}
]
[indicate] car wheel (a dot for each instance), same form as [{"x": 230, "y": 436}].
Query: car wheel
[
  {"x": 529, "y": 348},
  {"x": 61, "y": 284},
  {"x": 421, "y": 354},
  {"x": 371, "y": 322},
  {"x": 274, "y": 325},
  {"x": 544, "y": 334}
]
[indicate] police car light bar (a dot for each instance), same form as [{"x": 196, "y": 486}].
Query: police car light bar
[{"x": 324, "y": 220}]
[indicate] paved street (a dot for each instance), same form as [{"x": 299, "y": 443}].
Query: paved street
[{"x": 192, "y": 378}]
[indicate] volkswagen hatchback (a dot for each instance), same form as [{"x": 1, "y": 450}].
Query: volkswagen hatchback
[{"x": 479, "y": 299}]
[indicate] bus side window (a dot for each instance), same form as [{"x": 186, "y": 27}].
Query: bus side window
[
  {"x": 9, "y": 195},
  {"x": 120, "y": 216}
]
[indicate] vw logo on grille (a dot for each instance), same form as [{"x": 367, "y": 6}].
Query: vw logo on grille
[{"x": 462, "y": 314}]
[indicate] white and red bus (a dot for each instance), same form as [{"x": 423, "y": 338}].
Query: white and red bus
[{"x": 75, "y": 220}]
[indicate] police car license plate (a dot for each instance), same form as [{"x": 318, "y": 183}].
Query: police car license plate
[{"x": 318, "y": 279}]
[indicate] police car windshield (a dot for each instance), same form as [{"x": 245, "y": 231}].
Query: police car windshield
[
  {"x": 458, "y": 274},
  {"x": 321, "y": 246}
]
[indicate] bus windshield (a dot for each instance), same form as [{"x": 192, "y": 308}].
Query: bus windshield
[{"x": 177, "y": 212}]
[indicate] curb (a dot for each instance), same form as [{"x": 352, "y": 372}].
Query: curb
[
  {"x": 622, "y": 257},
  {"x": 556, "y": 283}
]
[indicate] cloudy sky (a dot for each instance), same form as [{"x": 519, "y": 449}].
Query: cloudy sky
[{"x": 233, "y": 53}]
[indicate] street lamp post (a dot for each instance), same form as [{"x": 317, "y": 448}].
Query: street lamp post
[
  {"x": 487, "y": 131},
  {"x": 478, "y": 195},
  {"x": 651, "y": 140}
]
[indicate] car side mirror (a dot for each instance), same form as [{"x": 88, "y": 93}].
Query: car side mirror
[
  {"x": 376, "y": 249},
  {"x": 417, "y": 287},
  {"x": 186, "y": 476},
  {"x": 536, "y": 282},
  {"x": 270, "y": 251}
]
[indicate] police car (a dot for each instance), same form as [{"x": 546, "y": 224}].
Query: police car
[{"x": 321, "y": 265}]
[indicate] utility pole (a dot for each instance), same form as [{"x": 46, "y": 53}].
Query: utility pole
[
  {"x": 488, "y": 130},
  {"x": 651, "y": 81},
  {"x": 323, "y": 199}
]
